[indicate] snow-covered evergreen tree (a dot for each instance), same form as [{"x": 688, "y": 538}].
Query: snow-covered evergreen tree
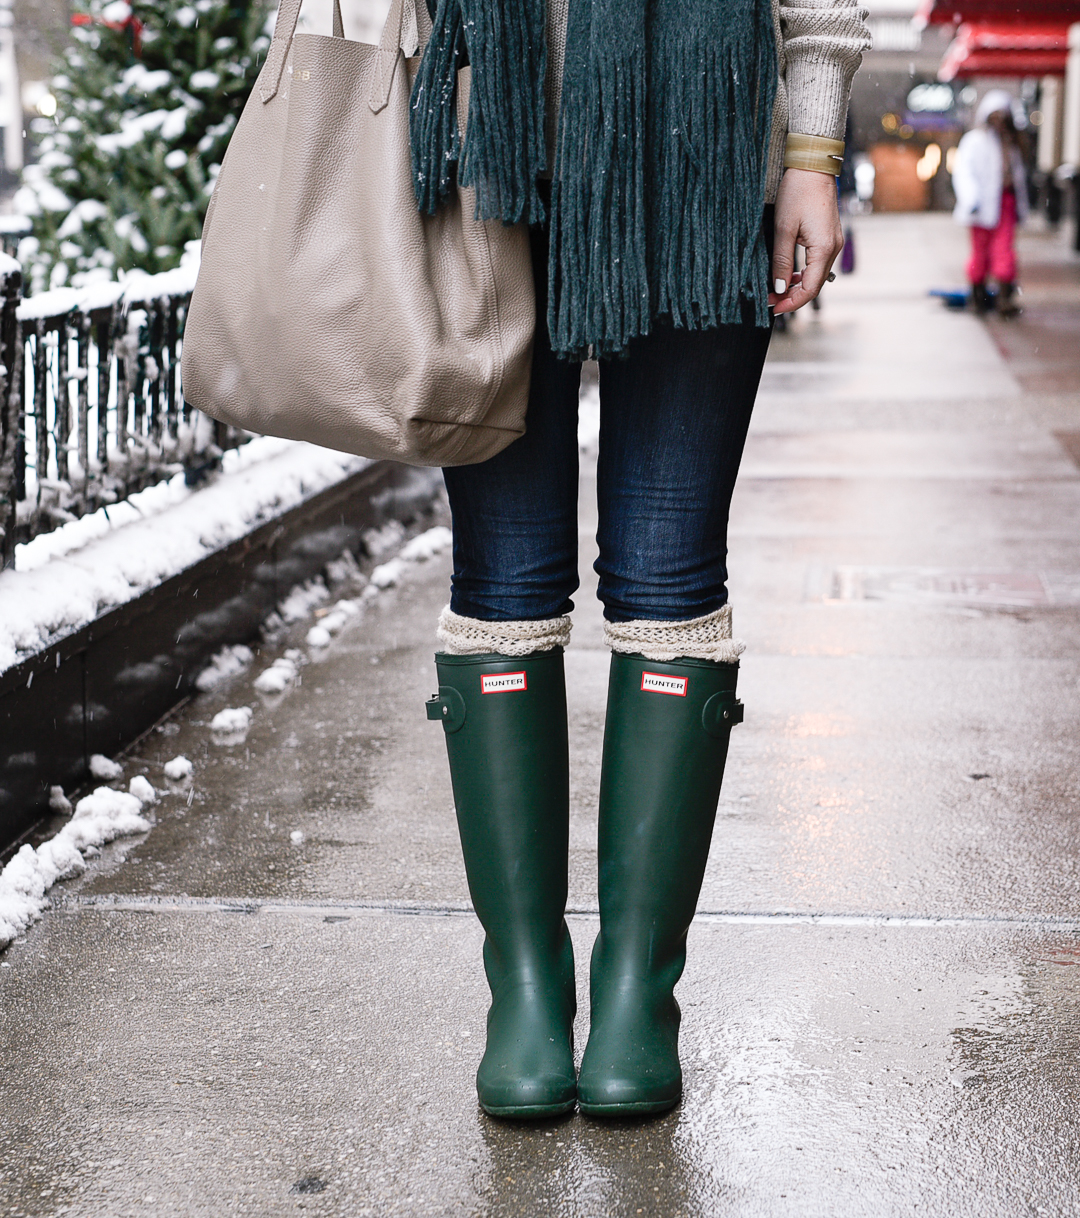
[{"x": 145, "y": 104}]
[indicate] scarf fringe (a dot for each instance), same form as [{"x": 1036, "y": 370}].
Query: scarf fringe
[
  {"x": 433, "y": 127},
  {"x": 504, "y": 150},
  {"x": 660, "y": 166},
  {"x": 598, "y": 261},
  {"x": 676, "y": 233}
]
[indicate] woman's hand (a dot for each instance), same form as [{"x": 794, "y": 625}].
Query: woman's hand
[{"x": 806, "y": 214}]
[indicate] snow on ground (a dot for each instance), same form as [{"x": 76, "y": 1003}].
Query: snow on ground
[
  {"x": 332, "y": 621},
  {"x": 281, "y": 674},
  {"x": 99, "y": 817},
  {"x": 388, "y": 574},
  {"x": 318, "y": 636},
  {"x": 230, "y": 726},
  {"x": 67, "y": 581},
  {"x": 305, "y": 599},
  {"x": 232, "y": 719},
  {"x": 227, "y": 663},
  {"x": 142, "y": 790},
  {"x": 378, "y": 542},
  {"x": 106, "y": 813},
  {"x": 178, "y": 769},
  {"x": 302, "y": 599},
  {"x": 101, "y": 767},
  {"x": 58, "y": 801},
  {"x": 427, "y": 545}
]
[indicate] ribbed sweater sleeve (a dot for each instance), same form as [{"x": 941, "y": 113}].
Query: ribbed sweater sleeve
[
  {"x": 823, "y": 43},
  {"x": 558, "y": 15}
]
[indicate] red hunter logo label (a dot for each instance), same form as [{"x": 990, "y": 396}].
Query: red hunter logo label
[
  {"x": 658, "y": 683},
  {"x": 502, "y": 682}
]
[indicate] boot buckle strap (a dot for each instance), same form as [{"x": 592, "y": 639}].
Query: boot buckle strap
[
  {"x": 720, "y": 714},
  {"x": 447, "y": 706}
]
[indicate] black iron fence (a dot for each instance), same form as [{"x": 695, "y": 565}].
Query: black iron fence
[{"x": 91, "y": 407}]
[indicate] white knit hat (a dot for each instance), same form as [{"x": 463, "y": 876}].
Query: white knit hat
[{"x": 994, "y": 100}]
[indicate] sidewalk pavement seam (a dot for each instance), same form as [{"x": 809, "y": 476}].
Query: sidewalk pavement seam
[{"x": 178, "y": 904}]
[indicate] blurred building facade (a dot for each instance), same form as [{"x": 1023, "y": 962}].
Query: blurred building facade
[{"x": 931, "y": 62}]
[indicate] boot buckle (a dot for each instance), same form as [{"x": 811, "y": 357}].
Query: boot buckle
[
  {"x": 448, "y": 706},
  {"x": 720, "y": 714}
]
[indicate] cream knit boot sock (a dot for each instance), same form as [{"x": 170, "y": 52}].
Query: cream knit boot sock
[
  {"x": 701, "y": 638},
  {"x": 468, "y": 636}
]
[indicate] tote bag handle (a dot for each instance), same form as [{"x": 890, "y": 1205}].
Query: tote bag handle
[{"x": 389, "y": 44}]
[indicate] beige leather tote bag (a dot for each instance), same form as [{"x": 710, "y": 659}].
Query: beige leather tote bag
[{"x": 327, "y": 308}]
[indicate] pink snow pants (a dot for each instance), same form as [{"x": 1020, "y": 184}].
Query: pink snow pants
[{"x": 992, "y": 252}]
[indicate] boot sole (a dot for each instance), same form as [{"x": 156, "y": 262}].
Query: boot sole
[
  {"x": 530, "y": 1112},
  {"x": 644, "y": 1108}
]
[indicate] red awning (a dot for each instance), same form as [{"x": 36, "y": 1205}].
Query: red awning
[
  {"x": 1025, "y": 12},
  {"x": 983, "y": 48}
]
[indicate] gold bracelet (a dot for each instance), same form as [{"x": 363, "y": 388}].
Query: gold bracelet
[{"x": 814, "y": 152}]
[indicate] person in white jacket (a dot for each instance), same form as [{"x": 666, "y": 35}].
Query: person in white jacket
[{"x": 991, "y": 197}]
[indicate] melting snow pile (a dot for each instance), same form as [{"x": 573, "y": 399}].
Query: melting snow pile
[
  {"x": 72, "y": 576},
  {"x": 142, "y": 790},
  {"x": 105, "y": 769},
  {"x": 280, "y": 675},
  {"x": 106, "y": 813},
  {"x": 99, "y": 817},
  {"x": 58, "y": 801},
  {"x": 301, "y": 600},
  {"x": 420, "y": 549},
  {"x": 227, "y": 663},
  {"x": 233, "y": 719},
  {"x": 380, "y": 541},
  {"x": 178, "y": 769},
  {"x": 427, "y": 545},
  {"x": 331, "y": 623},
  {"x": 387, "y": 575},
  {"x": 318, "y": 636},
  {"x": 308, "y": 598}
]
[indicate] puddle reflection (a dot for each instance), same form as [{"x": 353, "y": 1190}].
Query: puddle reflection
[{"x": 843, "y": 1071}]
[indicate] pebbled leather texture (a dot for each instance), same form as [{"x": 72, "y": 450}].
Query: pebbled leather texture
[{"x": 327, "y": 308}]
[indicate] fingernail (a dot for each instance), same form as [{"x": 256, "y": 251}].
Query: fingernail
[{"x": 779, "y": 287}]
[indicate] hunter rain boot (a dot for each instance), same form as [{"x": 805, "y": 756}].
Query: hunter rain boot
[
  {"x": 506, "y": 737},
  {"x": 665, "y": 745}
]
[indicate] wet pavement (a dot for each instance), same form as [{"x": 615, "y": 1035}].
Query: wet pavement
[{"x": 881, "y": 1003}]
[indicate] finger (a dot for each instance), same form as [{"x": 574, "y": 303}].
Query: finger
[
  {"x": 794, "y": 300},
  {"x": 783, "y": 260},
  {"x": 819, "y": 260},
  {"x": 798, "y": 295},
  {"x": 795, "y": 297}
]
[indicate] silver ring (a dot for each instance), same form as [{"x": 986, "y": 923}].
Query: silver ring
[{"x": 831, "y": 278}]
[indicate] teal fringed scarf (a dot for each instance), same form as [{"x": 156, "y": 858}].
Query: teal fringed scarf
[{"x": 659, "y": 175}]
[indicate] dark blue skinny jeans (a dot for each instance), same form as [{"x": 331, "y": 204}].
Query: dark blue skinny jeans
[{"x": 673, "y": 420}]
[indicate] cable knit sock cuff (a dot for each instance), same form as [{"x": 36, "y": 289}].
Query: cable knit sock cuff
[
  {"x": 468, "y": 636},
  {"x": 701, "y": 638}
]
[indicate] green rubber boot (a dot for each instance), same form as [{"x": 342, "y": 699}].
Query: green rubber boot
[
  {"x": 505, "y": 723},
  {"x": 665, "y": 744}
]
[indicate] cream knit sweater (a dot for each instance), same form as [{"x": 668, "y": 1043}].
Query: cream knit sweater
[{"x": 819, "y": 46}]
